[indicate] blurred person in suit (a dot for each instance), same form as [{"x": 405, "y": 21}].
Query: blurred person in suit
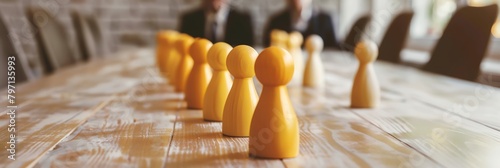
[
  {"x": 300, "y": 15},
  {"x": 217, "y": 21}
]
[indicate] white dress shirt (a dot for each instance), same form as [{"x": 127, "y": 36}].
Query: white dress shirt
[
  {"x": 300, "y": 21},
  {"x": 220, "y": 18}
]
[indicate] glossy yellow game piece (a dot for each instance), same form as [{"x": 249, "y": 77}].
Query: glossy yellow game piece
[
  {"x": 294, "y": 44},
  {"x": 200, "y": 74},
  {"x": 176, "y": 58},
  {"x": 274, "y": 132},
  {"x": 242, "y": 98},
  {"x": 173, "y": 60},
  {"x": 165, "y": 49},
  {"x": 185, "y": 63},
  {"x": 365, "y": 89},
  {"x": 279, "y": 38},
  {"x": 220, "y": 84},
  {"x": 314, "y": 73}
]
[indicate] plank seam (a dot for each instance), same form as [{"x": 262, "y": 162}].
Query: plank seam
[
  {"x": 408, "y": 145},
  {"x": 94, "y": 111},
  {"x": 461, "y": 116},
  {"x": 179, "y": 104}
]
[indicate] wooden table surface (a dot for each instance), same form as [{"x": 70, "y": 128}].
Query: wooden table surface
[{"x": 119, "y": 112}]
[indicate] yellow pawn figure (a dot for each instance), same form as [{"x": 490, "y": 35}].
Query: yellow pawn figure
[
  {"x": 165, "y": 48},
  {"x": 314, "y": 74},
  {"x": 185, "y": 63},
  {"x": 294, "y": 44},
  {"x": 365, "y": 89},
  {"x": 175, "y": 58},
  {"x": 242, "y": 98},
  {"x": 200, "y": 75},
  {"x": 219, "y": 86},
  {"x": 279, "y": 38},
  {"x": 274, "y": 132}
]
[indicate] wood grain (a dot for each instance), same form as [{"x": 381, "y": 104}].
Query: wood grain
[
  {"x": 469, "y": 100},
  {"x": 125, "y": 133},
  {"x": 43, "y": 124},
  {"x": 452, "y": 142}
]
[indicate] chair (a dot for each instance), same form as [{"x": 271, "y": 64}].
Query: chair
[
  {"x": 355, "y": 34},
  {"x": 464, "y": 43},
  {"x": 101, "y": 41},
  {"x": 9, "y": 48},
  {"x": 395, "y": 38},
  {"x": 85, "y": 38},
  {"x": 53, "y": 43}
]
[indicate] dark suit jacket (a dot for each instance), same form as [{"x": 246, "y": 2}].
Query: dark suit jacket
[
  {"x": 238, "y": 28},
  {"x": 320, "y": 24}
]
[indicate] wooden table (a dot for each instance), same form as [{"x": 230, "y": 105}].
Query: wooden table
[{"x": 119, "y": 112}]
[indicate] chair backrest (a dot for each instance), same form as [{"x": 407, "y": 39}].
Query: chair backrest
[
  {"x": 356, "y": 33},
  {"x": 85, "y": 38},
  {"x": 98, "y": 34},
  {"x": 53, "y": 40},
  {"x": 464, "y": 43},
  {"x": 8, "y": 48},
  {"x": 395, "y": 38}
]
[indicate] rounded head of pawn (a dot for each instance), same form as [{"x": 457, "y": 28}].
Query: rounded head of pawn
[
  {"x": 295, "y": 39},
  {"x": 199, "y": 50},
  {"x": 366, "y": 51},
  {"x": 169, "y": 36},
  {"x": 274, "y": 34},
  {"x": 217, "y": 56},
  {"x": 274, "y": 67},
  {"x": 279, "y": 37},
  {"x": 241, "y": 61},
  {"x": 183, "y": 43},
  {"x": 314, "y": 43}
]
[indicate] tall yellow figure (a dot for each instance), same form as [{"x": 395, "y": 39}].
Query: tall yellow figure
[
  {"x": 242, "y": 99},
  {"x": 219, "y": 86},
  {"x": 185, "y": 63},
  {"x": 314, "y": 73},
  {"x": 200, "y": 75},
  {"x": 173, "y": 60},
  {"x": 165, "y": 50},
  {"x": 365, "y": 89},
  {"x": 294, "y": 45},
  {"x": 274, "y": 132}
]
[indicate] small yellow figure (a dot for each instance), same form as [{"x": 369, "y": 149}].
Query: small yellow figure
[
  {"x": 294, "y": 44},
  {"x": 274, "y": 132},
  {"x": 279, "y": 38},
  {"x": 365, "y": 88},
  {"x": 242, "y": 98},
  {"x": 219, "y": 86},
  {"x": 314, "y": 74},
  {"x": 164, "y": 49},
  {"x": 185, "y": 63},
  {"x": 200, "y": 75}
]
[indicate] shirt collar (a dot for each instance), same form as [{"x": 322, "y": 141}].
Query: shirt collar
[
  {"x": 304, "y": 15},
  {"x": 219, "y": 16}
]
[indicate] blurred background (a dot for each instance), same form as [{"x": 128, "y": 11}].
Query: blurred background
[{"x": 123, "y": 23}]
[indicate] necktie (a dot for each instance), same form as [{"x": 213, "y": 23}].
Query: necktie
[{"x": 213, "y": 32}]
